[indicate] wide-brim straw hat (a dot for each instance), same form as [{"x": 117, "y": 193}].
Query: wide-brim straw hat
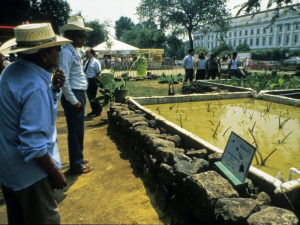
[
  {"x": 29, "y": 38},
  {"x": 75, "y": 23}
]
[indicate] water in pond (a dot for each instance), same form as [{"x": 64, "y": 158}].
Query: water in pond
[{"x": 243, "y": 116}]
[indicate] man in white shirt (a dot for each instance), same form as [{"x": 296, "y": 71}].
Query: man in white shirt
[
  {"x": 92, "y": 69},
  {"x": 188, "y": 64},
  {"x": 73, "y": 99}
]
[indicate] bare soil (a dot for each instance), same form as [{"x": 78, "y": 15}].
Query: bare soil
[{"x": 111, "y": 193}]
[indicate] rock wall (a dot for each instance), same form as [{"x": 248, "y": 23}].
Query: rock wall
[{"x": 184, "y": 181}]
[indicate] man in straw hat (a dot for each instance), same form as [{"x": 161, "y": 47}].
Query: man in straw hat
[
  {"x": 73, "y": 99},
  {"x": 29, "y": 158}
]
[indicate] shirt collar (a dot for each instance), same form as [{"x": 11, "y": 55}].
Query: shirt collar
[
  {"x": 44, "y": 73},
  {"x": 73, "y": 48}
]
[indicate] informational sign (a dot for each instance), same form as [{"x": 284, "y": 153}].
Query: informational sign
[{"x": 238, "y": 156}]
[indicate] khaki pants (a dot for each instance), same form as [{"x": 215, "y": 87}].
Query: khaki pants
[{"x": 32, "y": 205}]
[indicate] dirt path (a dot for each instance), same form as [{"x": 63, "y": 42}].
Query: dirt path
[{"x": 111, "y": 194}]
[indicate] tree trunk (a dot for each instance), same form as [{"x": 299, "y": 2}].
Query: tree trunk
[{"x": 191, "y": 39}]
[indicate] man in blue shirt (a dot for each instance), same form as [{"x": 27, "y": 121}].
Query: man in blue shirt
[
  {"x": 188, "y": 64},
  {"x": 30, "y": 164},
  {"x": 73, "y": 99}
]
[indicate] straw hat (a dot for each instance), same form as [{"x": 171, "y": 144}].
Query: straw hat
[
  {"x": 29, "y": 38},
  {"x": 75, "y": 23}
]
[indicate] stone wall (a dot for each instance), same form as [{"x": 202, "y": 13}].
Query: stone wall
[{"x": 184, "y": 181}]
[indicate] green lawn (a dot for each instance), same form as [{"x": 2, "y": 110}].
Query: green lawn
[{"x": 149, "y": 88}]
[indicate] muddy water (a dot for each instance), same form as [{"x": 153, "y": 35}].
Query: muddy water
[{"x": 240, "y": 115}]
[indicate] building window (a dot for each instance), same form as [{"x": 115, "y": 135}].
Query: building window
[
  {"x": 297, "y": 26},
  {"x": 279, "y": 39},
  {"x": 245, "y": 41},
  {"x": 234, "y": 33},
  {"x": 230, "y": 34},
  {"x": 251, "y": 42},
  {"x": 288, "y": 27},
  {"x": 240, "y": 42},
  {"x": 295, "y": 38},
  {"x": 240, "y": 33},
  {"x": 280, "y": 27},
  {"x": 287, "y": 39},
  {"x": 230, "y": 42},
  {"x": 234, "y": 43},
  {"x": 264, "y": 30},
  {"x": 264, "y": 41},
  {"x": 257, "y": 31},
  {"x": 246, "y": 32},
  {"x": 257, "y": 41},
  {"x": 251, "y": 32},
  {"x": 270, "y": 40},
  {"x": 271, "y": 29}
]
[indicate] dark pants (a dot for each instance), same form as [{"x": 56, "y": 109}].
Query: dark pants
[
  {"x": 91, "y": 93},
  {"x": 32, "y": 205},
  {"x": 234, "y": 73},
  {"x": 189, "y": 75},
  {"x": 75, "y": 122},
  {"x": 212, "y": 74},
  {"x": 200, "y": 75}
]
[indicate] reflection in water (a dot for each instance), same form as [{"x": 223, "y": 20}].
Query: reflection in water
[{"x": 243, "y": 116}]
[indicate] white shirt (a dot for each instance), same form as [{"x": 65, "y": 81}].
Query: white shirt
[
  {"x": 93, "y": 69},
  {"x": 201, "y": 64},
  {"x": 233, "y": 64},
  {"x": 188, "y": 62},
  {"x": 70, "y": 63}
]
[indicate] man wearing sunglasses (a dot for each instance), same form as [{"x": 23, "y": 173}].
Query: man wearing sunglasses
[{"x": 73, "y": 99}]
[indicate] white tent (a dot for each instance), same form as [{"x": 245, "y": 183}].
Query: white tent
[{"x": 113, "y": 46}]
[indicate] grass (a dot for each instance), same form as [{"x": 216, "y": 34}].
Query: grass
[{"x": 150, "y": 88}]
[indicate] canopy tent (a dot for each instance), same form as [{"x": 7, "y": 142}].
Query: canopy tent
[{"x": 113, "y": 46}]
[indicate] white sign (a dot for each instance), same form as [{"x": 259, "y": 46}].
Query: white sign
[{"x": 238, "y": 156}]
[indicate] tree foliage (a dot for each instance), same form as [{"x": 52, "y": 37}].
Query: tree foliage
[
  {"x": 254, "y": 6},
  {"x": 99, "y": 33},
  {"x": 144, "y": 36},
  {"x": 243, "y": 48},
  {"x": 174, "y": 47},
  {"x": 14, "y": 12},
  {"x": 121, "y": 25},
  {"x": 221, "y": 48},
  {"x": 187, "y": 14}
]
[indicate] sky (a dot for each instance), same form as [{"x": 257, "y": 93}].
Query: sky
[{"x": 112, "y": 10}]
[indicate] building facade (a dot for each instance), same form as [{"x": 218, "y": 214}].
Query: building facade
[{"x": 257, "y": 32}]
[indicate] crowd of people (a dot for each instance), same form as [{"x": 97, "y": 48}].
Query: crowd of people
[
  {"x": 208, "y": 67},
  {"x": 31, "y": 86}
]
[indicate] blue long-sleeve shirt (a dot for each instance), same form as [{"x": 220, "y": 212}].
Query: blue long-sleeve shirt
[{"x": 28, "y": 110}]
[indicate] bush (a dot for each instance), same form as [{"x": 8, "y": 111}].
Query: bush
[{"x": 274, "y": 54}]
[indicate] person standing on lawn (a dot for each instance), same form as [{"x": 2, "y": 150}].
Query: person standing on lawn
[
  {"x": 92, "y": 69},
  {"x": 73, "y": 98},
  {"x": 188, "y": 64},
  {"x": 30, "y": 164}
]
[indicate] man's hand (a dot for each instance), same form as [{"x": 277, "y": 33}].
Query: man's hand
[
  {"x": 78, "y": 106},
  {"x": 57, "y": 178},
  {"x": 58, "y": 79},
  {"x": 55, "y": 175}
]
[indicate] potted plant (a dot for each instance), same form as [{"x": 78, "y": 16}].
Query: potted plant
[{"x": 120, "y": 92}]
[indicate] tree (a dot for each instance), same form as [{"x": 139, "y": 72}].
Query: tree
[
  {"x": 243, "y": 48},
  {"x": 99, "y": 33},
  {"x": 144, "y": 35},
  {"x": 254, "y": 6},
  {"x": 187, "y": 14},
  {"x": 174, "y": 47},
  {"x": 14, "y": 12},
  {"x": 121, "y": 25},
  {"x": 144, "y": 38},
  {"x": 221, "y": 48}
]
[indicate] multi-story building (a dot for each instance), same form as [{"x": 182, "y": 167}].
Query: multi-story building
[{"x": 257, "y": 32}]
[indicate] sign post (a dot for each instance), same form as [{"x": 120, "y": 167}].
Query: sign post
[{"x": 236, "y": 160}]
